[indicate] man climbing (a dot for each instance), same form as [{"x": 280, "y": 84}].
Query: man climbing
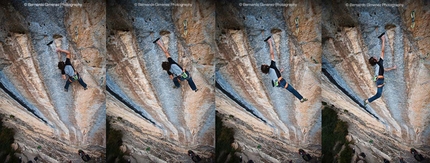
[
  {"x": 380, "y": 78},
  {"x": 275, "y": 74},
  {"x": 68, "y": 69},
  {"x": 176, "y": 72}
]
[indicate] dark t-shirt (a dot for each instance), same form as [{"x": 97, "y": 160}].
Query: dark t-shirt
[
  {"x": 273, "y": 65},
  {"x": 65, "y": 64},
  {"x": 381, "y": 66},
  {"x": 172, "y": 62}
]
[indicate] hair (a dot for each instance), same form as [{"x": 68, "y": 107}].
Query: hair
[
  {"x": 166, "y": 66},
  {"x": 372, "y": 61},
  {"x": 61, "y": 65},
  {"x": 265, "y": 69}
]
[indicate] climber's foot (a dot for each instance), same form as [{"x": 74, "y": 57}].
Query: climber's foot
[
  {"x": 196, "y": 90},
  {"x": 303, "y": 100},
  {"x": 365, "y": 102},
  {"x": 383, "y": 33},
  {"x": 265, "y": 40},
  {"x": 65, "y": 90},
  {"x": 85, "y": 88}
]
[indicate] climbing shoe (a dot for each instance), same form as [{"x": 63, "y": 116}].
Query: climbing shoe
[
  {"x": 196, "y": 90},
  {"x": 174, "y": 87},
  {"x": 156, "y": 40},
  {"x": 85, "y": 88},
  {"x": 184, "y": 75},
  {"x": 267, "y": 38},
  {"x": 303, "y": 100},
  {"x": 383, "y": 33},
  {"x": 365, "y": 103},
  {"x": 65, "y": 90}
]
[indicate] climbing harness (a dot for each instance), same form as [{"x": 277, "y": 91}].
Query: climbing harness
[
  {"x": 75, "y": 77},
  {"x": 184, "y": 75},
  {"x": 275, "y": 83}
]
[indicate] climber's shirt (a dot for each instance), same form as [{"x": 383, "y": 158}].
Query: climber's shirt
[
  {"x": 381, "y": 66},
  {"x": 175, "y": 69},
  {"x": 274, "y": 73},
  {"x": 69, "y": 70}
]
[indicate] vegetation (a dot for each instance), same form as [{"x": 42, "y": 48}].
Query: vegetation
[
  {"x": 6, "y": 140},
  {"x": 334, "y": 130},
  {"x": 114, "y": 141},
  {"x": 224, "y": 139}
]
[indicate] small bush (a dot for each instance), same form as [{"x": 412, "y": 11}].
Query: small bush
[
  {"x": 113, "y": 143},
  {"x": 224, "y": 139},
  {"x": 6, "y": 140}
]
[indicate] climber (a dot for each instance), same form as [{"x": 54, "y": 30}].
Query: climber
[
  {"x": 380, "y": 79},
  {"x": 304, "y": 155},
  {"x": 275, "y": 74},
  {"x": 84, "y": 156},
  {"x": 194, "y": 157},
  {"x": 176, "y": 73},
  {"x": 68, "y": 69},
  {"x": 417, "y": 155}
]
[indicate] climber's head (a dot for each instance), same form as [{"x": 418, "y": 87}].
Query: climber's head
[
  {"x": 166, "y": 66},
  {"x": 61, "y": 65},
  {"x": 265, "y": 68},
  {"x": 373, "y": 61}
]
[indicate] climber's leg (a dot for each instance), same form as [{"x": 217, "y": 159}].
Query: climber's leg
[{"x": 380, "y": 84}]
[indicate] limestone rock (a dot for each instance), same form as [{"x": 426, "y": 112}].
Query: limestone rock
[
  {"x": 169, "y": 121},
  {"x": 264, "y": 115},
  {"x": 399, "y": 119},
  {"x": 48, "y": 121}
]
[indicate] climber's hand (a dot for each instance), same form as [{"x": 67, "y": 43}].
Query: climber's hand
[{"x": 64, "y": 77}]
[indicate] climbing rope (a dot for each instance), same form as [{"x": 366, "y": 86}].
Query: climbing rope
[
  {"x": 413, "y": 19},
  {"x": 185, "y": 23}
]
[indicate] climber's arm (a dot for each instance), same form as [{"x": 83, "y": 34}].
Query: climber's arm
[
  {"x": 391, "y": 68},
  {"x": 272, "y": 54},
  {"x": 68, "y": 54}
]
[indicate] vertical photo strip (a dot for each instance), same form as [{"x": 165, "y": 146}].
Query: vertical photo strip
[
  {"x": 52, "y": 79},
  {"x": 159, "y": 81},
  {"x": 375, "y": 82},
  {"x": 267, "y": 81}
]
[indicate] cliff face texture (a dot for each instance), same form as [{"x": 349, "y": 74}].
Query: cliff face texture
[
  {"x": 400, "y": 119},
  {"x": 140, "y": 97},
  {"x": 49, "y": 122},
  {"x": 259, "y": 113}
]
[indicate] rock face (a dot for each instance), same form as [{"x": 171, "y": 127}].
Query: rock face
[
  {"x": 49, "y": 122},
  {"x": 153, "y": 114},
  {"x": 259, "y": 113},
  {"x": 399, "y": 120}
]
